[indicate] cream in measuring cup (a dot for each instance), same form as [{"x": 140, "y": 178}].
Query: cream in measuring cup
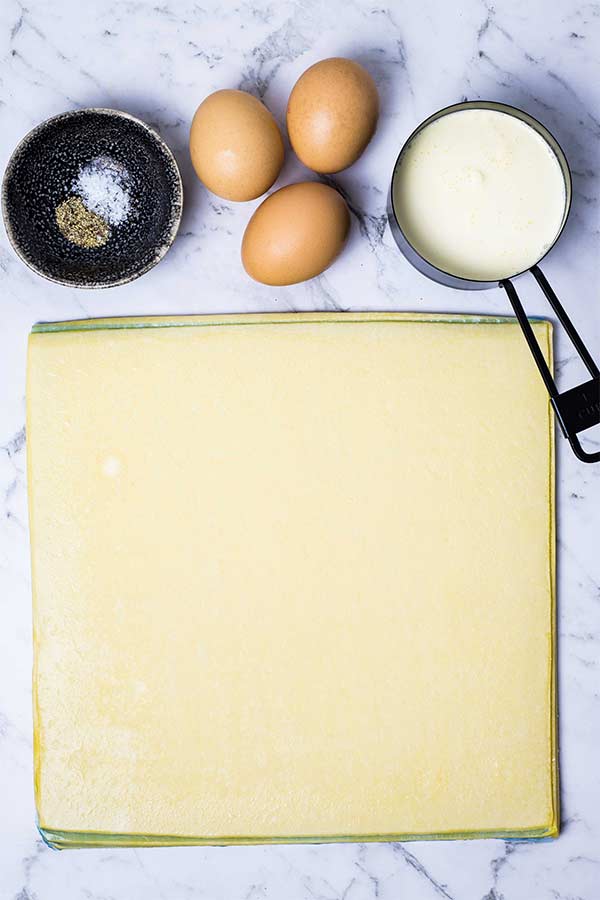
[{"x": 479, "y": 194}]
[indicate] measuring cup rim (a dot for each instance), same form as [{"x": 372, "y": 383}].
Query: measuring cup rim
[{"x": 523, "y": 116}]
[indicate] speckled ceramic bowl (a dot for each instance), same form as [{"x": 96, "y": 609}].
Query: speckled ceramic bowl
[{"x": 43, "y": 172}]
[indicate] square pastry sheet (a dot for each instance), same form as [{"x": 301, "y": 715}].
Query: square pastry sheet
[{"x": 293, "y": 579}]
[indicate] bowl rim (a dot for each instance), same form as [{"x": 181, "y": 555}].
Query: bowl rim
[{"x": 76, "y": 113}]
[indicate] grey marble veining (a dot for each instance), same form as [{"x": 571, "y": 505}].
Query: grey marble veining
[{"x": 158, "y": 60}]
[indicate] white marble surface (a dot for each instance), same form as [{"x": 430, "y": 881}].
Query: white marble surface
[{"x": 158, "y": 60}]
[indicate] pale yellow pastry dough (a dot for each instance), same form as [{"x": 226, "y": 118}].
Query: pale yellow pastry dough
[{"x": 293, "y": 579}]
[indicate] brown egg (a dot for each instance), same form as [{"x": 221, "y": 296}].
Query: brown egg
[
  {"x": 295, "y": 234},
  {"x": 332, "y": 114},
  {"x": 235, "y": 145}
]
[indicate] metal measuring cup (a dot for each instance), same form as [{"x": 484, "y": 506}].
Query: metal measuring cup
[{"x": 578, "y": 408}]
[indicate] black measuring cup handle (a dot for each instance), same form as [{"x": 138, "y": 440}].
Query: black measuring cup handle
[{"x": 579, "y": 407}]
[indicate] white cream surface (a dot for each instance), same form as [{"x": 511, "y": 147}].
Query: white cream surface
[{"x": 480, "y": 194}]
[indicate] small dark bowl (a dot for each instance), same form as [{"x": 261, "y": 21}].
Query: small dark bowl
[{"x": 41, "y": 173}]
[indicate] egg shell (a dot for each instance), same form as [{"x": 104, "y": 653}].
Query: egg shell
[
  {"x": 235, "y": 145},
  {"x": 295, "y": 234},
  {"x": 332, "y": 114}
]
